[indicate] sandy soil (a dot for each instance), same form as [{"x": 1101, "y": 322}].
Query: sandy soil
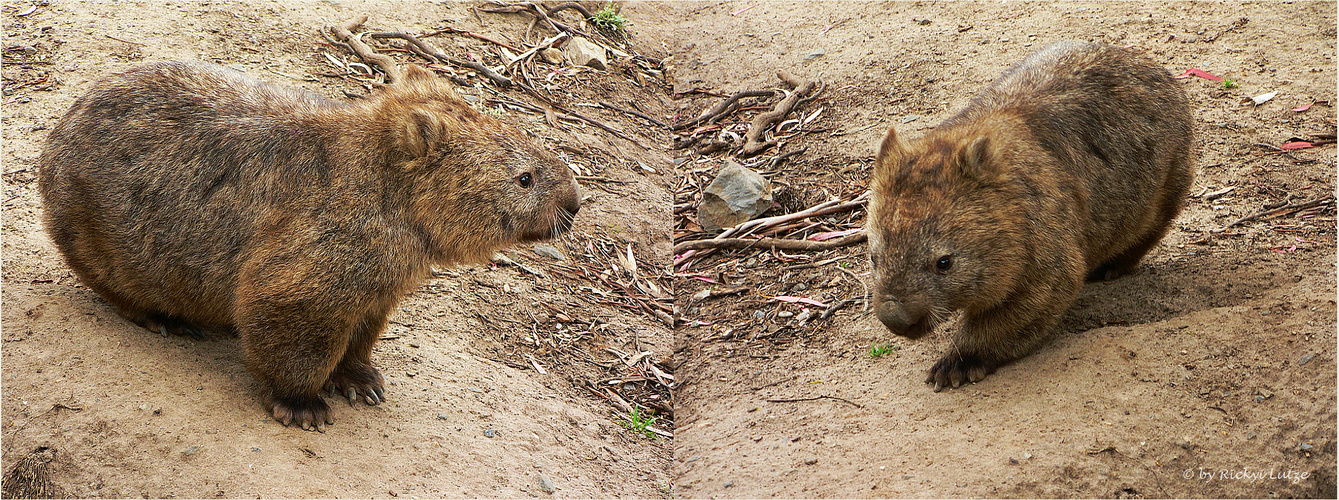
[
  {"x": 107, "y": 409},
  {"x": 1217, "y": 356}
]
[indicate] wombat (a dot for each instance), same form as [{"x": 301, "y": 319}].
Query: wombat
[
  {"x": 193, "y": 197},
  {"x": 1071, "y": 165}
]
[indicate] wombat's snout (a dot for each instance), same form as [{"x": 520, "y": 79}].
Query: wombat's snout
[
  {"x": 902, "y": 320},
  {"x": 568, "y": 208}
]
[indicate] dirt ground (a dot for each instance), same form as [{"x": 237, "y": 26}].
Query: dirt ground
[
  {"x": 104, "y": 408},
  {"x": 1208, "y": 373}
]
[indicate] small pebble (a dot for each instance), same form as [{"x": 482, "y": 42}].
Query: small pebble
[
  {"x": 255, "y": 448},
  {"x": 191, "y": 450},
  {"x": 810, "y": 461},
  {"x": 784, "y": 314},
  {"x": 1306, "y": 447},
  {"x": 817, "y": 53},
  {"x": 729, "y": 484},
  {"x": 1305, "y": 359},
  {"x": 441, "y": 416},
  {"x": 546, "y": 485},
  {"x": 489, "y": 433},
  {"x": 758, "y": 314}
]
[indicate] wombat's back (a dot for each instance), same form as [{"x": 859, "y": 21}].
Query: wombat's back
[
  {"x": 1118, "y": 126},
  {"x": 152, "y": 182}
]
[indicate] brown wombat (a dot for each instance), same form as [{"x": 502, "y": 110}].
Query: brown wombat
[
  {"x": 1071, "y": 165},
  {"x": 191, "y": 196}
]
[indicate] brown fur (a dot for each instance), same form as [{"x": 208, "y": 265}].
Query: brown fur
[
  {"x": 191, "y": 196},
  {"x": 1073, "y": 163}
]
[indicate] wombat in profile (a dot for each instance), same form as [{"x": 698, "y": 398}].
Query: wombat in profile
[
  {"x": 1070, "y": 165},
  {"x": 191, "y": 196}
]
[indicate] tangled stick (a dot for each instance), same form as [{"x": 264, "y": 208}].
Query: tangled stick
[
  {"x": 773, "y": 243},
  {"x": 752, "y": 139},
  {"x": 471, "y": 35},
  {"x": 432, "y": 53},
  {"x": 344, "y": 33},
  {"x": 721, "y": 109}
]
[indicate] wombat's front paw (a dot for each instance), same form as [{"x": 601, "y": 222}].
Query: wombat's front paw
[
  {"x": 352, "y": 381},
  {"x": 954, "y": 369},
  {"x": 307, "y": 412}
]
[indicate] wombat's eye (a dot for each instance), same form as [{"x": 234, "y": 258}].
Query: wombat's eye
[
  {"x": 525, "y": 180},
  {"x": 944, "y": 263}
]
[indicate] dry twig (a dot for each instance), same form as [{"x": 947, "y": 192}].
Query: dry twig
[
  {"x": 773, "y": 243},
  {"x": 1329, "y": 200},
  {"x": 753, "y": 143},
  {"x": 432, "y": 53},
  {"x": 344, "y": 33}
]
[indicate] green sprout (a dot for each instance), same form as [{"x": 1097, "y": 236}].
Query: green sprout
[
  {"x": 877, "y": 351},
  {"x": 639, "y": 422},
  {"x": 1229, "y": 83},
  {"x": 608, "y": 18}
]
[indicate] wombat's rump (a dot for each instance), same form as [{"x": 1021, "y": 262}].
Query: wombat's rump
[
  {"x": 1073, "y": 163},
  {"x": 191, "y": 196}
]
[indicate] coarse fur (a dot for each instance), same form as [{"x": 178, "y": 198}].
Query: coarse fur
[
  {"x": 1072, "y": 164},
  {"x": 193, "y": 197}
]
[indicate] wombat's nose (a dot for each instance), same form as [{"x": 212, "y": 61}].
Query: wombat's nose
[
  {"x": 572, "y": 205},
  {"x": 897, "y": 320}
]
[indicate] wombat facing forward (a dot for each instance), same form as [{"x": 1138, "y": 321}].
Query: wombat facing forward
[
  {"x": 1071, "y": 164},
  {"x": 191, "y": 196}
]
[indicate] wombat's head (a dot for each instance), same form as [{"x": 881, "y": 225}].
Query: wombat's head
[
  {"x": 477, "y": 184},
  {"x": 942, "y": 232}
]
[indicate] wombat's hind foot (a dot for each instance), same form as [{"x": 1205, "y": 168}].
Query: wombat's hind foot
[
  {"x": 354, "y": 380},
  {"x": 955, "y": 368},
  {"x": 166, "y": 325},
  {"x": 307, "y": 412}
]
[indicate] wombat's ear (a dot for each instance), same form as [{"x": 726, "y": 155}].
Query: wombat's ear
[
  {"x": 420, "y": 131},
  {"x": 891, "y": 149},
  {"x": 977, "y": 156}
]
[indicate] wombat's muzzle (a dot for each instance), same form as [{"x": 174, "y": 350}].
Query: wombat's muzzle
[
  {"x": 901, "y": 320},
  {"x": 569, "y": 208}
]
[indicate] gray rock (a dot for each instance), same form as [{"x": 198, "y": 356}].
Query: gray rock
[
  {"x": 583, "y": 52},
  {"x": 736, "y": 195},
  {"x": 546, "y": 485}
]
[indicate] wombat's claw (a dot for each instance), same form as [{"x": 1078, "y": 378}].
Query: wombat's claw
[
  {"x": 194, "y": 332},
  {"x": 305, "y": 415},
  {"x": 954, "y": 370}
]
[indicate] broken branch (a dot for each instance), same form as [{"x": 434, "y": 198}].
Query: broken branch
[
  {"x": 753, "y": 144},
  {"x": 721, "y": 110},
  {"x": 434, "y": 53},
  {"x": 773, "y": 243},
  {"x": 344, "y": 33},
  {"x": 1329, "y": 200}
]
